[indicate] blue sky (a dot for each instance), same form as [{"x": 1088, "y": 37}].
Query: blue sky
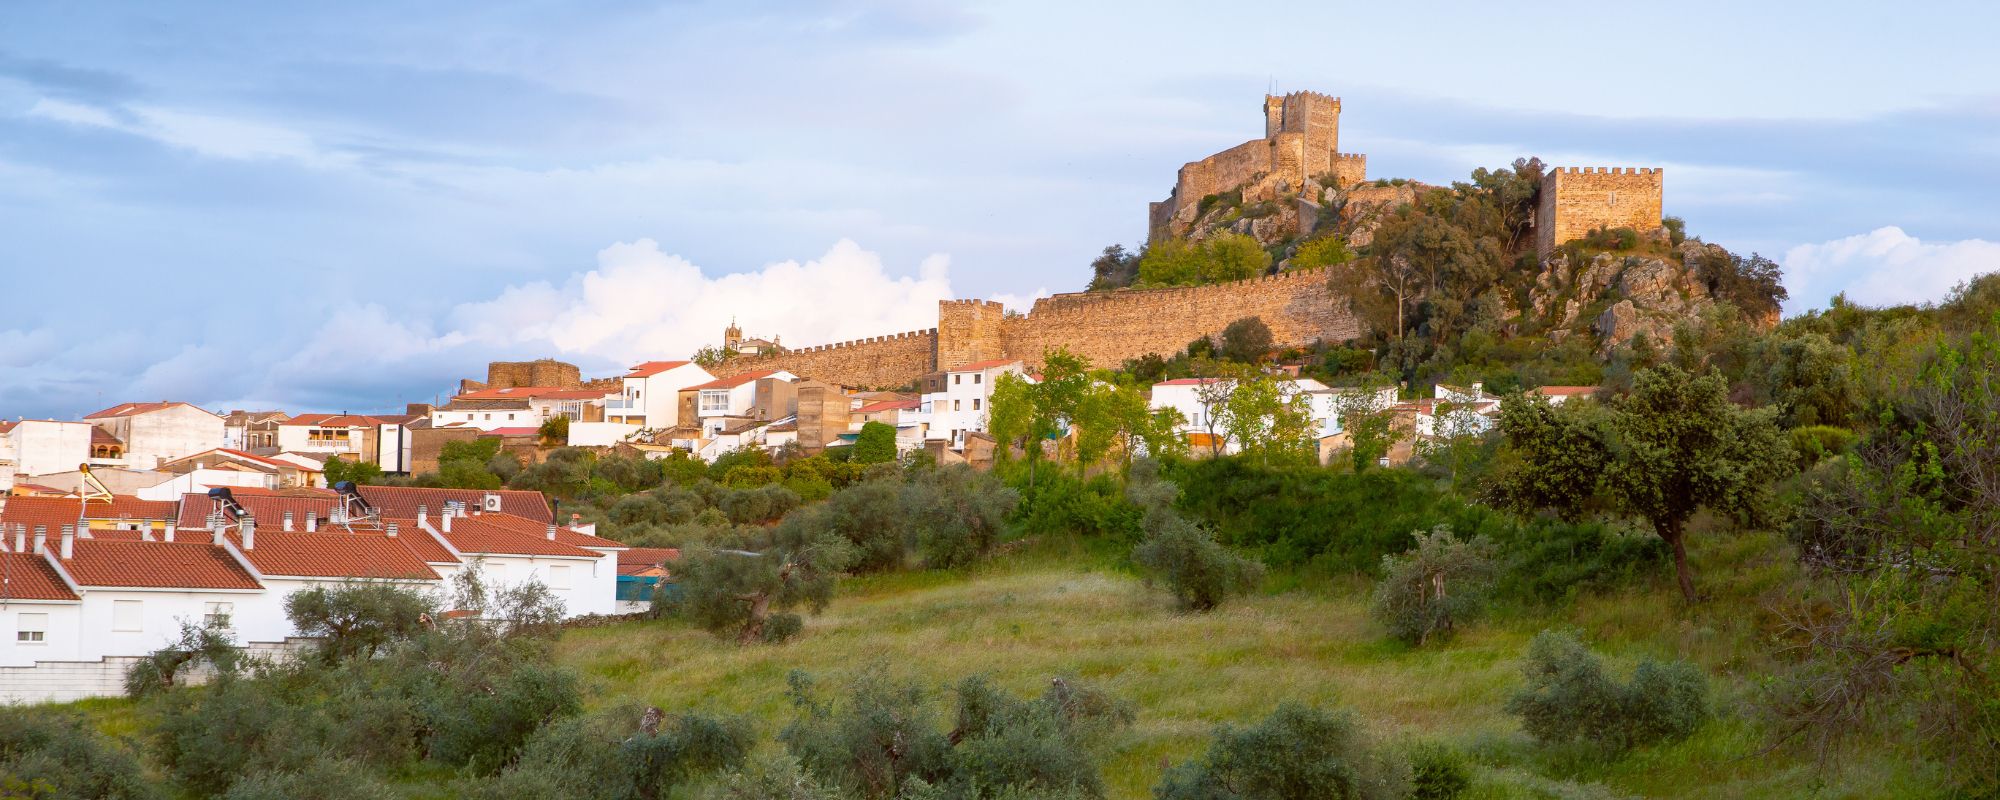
[{"x": 349, "y": 208}]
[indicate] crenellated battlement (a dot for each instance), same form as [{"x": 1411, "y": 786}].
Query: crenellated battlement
[{"x": 1578, "y": 200}]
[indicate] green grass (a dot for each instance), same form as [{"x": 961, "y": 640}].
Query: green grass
[{"x": 1057, "y": 609}]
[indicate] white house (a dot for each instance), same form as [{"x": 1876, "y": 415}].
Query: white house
[
  {"x": 578, "y": 568},
  {"x": 736, "y": 396},
  {"x": 518, "y": 407},
  {"x": 964, "y": 401},
  {"x": 40, "y": 447},
  {"x": 651, "y": 394},
  {"x": 152, "y": 433},
  {"x": 1557, "y": 395}
]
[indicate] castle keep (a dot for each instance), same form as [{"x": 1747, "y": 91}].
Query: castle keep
[
  {"x": 1578, "y": 200},
  {"x": 1105, "y": 327},
  {"x": 1301, "y": 144}
]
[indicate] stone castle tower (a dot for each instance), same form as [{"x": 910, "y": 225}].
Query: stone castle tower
[
  {"x": 1578, "y": 200},
  {"x": 1301, "y": 146}
]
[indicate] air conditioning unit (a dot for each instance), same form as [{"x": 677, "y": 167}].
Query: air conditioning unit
[{"x": 492, "y": 502}]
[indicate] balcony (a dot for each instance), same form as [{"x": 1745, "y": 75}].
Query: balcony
[{"x": 623, "y": 405}]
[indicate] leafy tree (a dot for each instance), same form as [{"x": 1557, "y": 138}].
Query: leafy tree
[
  {"x": 1114, "y": 268},
  {"x": 954, "y": 515},
  {"x": 1674, "y": 446},
  {"x": 1200, "y": 572},
  {"x": 1325, "y": 251},
  {"x": 196, "y": 645},
  {"x": 362, "y": 473},
  {"x": 711, "y": 356},
  {"x": 357, "y": 619},
  {"x": 1754, "y": 284},
  {"x": 1569, "y": 697},
  {"x": 1436, "y": 587},
  {"x": 1268, "y": 419},
  {"x": 1297, "y": 753},
  {"x": 1370, "y": 426},
  {"x": 1246, "y": 341},
  {"x": 876, "y": 444},
  {"x": 1178, "y": 262},
  {"x": 554, "y": 431},
  {"x": 751, "y": 594},
  {"x": 1555, "y": 456}
]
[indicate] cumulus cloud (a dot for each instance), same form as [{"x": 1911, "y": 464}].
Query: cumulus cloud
[
  {"x": 638, "y": 304},
  {"x": 1885, "y": 266}
]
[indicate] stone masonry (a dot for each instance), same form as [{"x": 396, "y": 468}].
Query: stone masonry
[
  {"x": 1578, "y": 200},
  {"x": 1105, "y": 327},
  {"x": 1301, "y": 143}
]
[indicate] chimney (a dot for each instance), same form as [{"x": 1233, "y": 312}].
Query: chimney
[
  {"x": 288, "y": 520},
  {"x": 215, "y": 534},
  {"x": 20, "y": 538},
  {"x": 249, "y": 533},
  {"x": 423, "y": 514},
  {"x": 552, "y": 531},
  {"x": 41, "y": 538},
  {"x": 312, "y": 523},
  {"x": 394, "y": 529},
  {"x": 170, "y": 532},
  {"x": 447, "y": 522},
  {"x": 68, "y": 541}
]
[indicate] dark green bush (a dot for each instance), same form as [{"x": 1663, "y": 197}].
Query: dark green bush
[
  {"x": 1297, "y": 753},
  {"x": 319, "y": 779},
  {"x": 1570, "y": 698},
  {"x": 1438, "y": 773},
  {"x": 49, "y": 754},
  {"x": 1815, "y": 443},
  {"x": 1435, "y": 588}
]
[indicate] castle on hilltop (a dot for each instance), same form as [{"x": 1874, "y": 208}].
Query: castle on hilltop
[
  {"x": 1299, "y": 161},
  {"x": 1301, "y": 145}
]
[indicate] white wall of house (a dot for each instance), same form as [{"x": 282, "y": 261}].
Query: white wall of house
[
  {"x": 585, "y": 585},
  {"x": 166, "y": 434},
  {"x": 599, "y": 434},
  {"x": 40, "y": 447},
  {"x": 201, "y": 480},
  {"x": 487, "y": 419},
  {"x": 134, "y": 622},
  {"x": 393, "y": 447},
  {"x": 655, "y": 399},
  {"x": 57, "y": 622},
  {"x": 964, "y": 405}
]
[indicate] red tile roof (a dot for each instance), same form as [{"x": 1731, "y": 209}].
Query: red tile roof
[
  {"x": 887, "y": 405},
  {"x": 55, "y": 512},
  {"x": 413, "y": 536},
  {"x": 1552, "y": 391},
  {"x": 981, "y": 366},
  {"x": 478, "y": 535},
  {"x": 238, "y": 455},
  {"x": 163, "y": 565},
  {"x": 734, "y": 381},
  {"x": 515, "y": 431},
  {"x": 28, "y": 576},
  {"x": 533, "y": 528},
  {"x": 335, "y": 555},
  {"x": 102, "y": 436},
  {"x": 651, "y": 368},
  {"x": 268, "y": 505},
  {"x": 6, "y": 426},
  {"x": 640, "y": 559},
  {"x": 1187, "y": 382},
  {"x": 402, "y": 501},
  {"x": 130, "y": 409},
  {"x": 333, "y": 421}
]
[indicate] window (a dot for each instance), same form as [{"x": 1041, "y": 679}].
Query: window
[
  {"x": 488, "y": 416},
  {"x": 31, "y": 628},
  {"x": 976, "y": 376},
  {"x": 714, "y": 400},
  {"x": 558, "y": 577},
  {"x": 975, "y": 404},
  {"x": 126, "y": 616},
  {"x": 954, "y": 405},
  {"x": 956, "y": 379},
  {"x": 216, "y": 615},
  {"x": 510, "y": 416}
]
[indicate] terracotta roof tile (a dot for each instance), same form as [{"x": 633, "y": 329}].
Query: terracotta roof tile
[
  {"x": 55, "y": 512},
  {"x": 102, "y": 436},
  {"x": 129, "y": 409},
  {"x": 1554, "y": 391},
  {"x": 477, "y": 535},
  {"x": 734, "y": 381},
  {"x": 269, "y": 506},
  {"x": 640, "y": 559},
  {"x": 28, "y": 576},
  {"x": 402, "y": 501},
  {"x": 651, "y": 368},
  {"x": 889, "y": 405},
  {"x": 335, "y": 555},
  {"x": 533, "y": 528},
  {"x": 164, "y": 565}
]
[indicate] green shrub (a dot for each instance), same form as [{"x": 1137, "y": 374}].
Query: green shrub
[
  {"x": 954, "y": 515},
  {"x": 1815, "y": 443},
  {"x": 1295, "y": 754},
  {"x": 1438, "y": 773},
  {"x": 49, "y": 754},
  {"x": 1434, "y": 588},
  {"x": 1200, "y": 572},
  {"x": 357, "y": 619},
  {"x": 196, "y": 646},
  {"x": 1570, "y": 698},
  {"x": 319, "y": 779}
]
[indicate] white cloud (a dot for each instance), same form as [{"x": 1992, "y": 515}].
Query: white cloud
[
  {"x": 72, "y": 113},
  {"x": 1885, "y": 266},
  {"x": 638, "y": 304},
  {"x": 206, "y": 134},
  {"x": 1021, "y": 302}
]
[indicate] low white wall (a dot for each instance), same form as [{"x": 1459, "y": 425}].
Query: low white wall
[
  {"x": 599, "y": 434},
  {"x": 67, "y": 681}
]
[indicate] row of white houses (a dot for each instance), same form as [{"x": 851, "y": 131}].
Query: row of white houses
[{"x": 83, "y": 583}]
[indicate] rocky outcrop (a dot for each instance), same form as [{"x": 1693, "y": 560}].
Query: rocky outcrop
[{"x": 1623, "y": 296}]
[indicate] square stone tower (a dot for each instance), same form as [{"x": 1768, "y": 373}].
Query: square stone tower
[{"x": 1578, "y": 200}]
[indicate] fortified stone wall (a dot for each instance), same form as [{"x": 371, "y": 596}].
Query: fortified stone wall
[
  {"x": 1578, "y": 200},
  {"x": 1349, "y": 169},
  {"x": 1301, "y": 143},
  {"x": 1105, "y": 327},
  {"x": 1110, "y": 327},
  {"x": 541, "y": 372},
  {"x": 874, "y": 362}
]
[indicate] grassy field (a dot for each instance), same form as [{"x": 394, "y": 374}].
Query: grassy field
[{"x": 1055, "y": 610}]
